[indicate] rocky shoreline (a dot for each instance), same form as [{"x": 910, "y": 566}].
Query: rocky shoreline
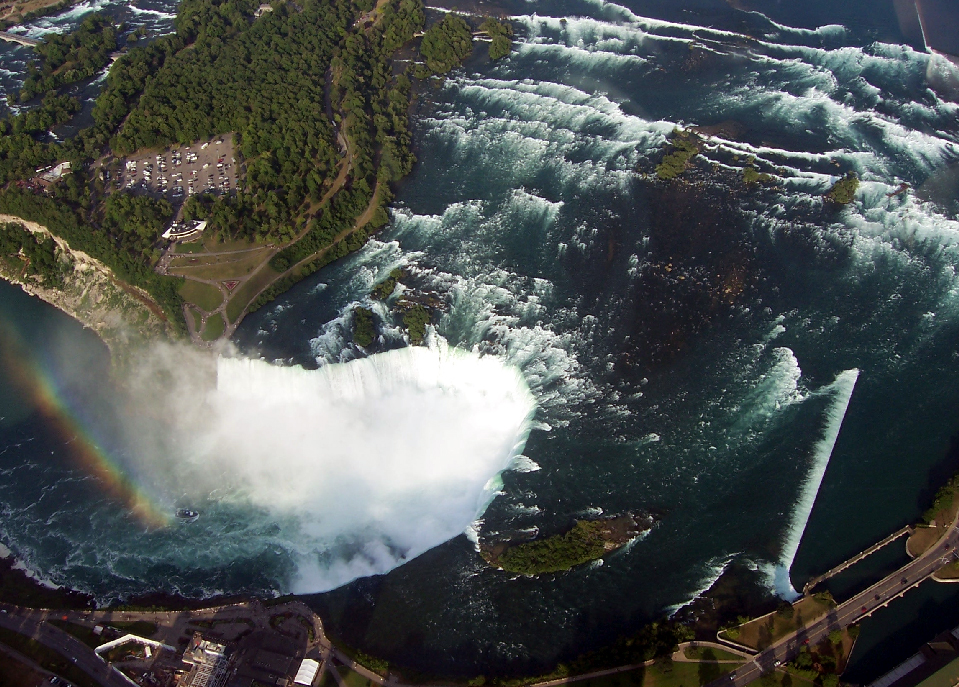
[
  {"x": 586, "y": 541},
  {"x": 121, "y": 315}
]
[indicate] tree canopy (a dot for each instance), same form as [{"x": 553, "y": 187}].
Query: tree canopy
[{"x": 447, "y": 44}]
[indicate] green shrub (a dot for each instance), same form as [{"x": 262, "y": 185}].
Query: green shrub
[
  {"x": 363, "y": 331},
  {"x": 447, "y": 44},
  {"x": 501, "y": 34},
  {"x": 753, "y": 176},
  {"x": 844, "y": 190},
  {"x": 584, "y": 543},
  {"x": 415, "y": 318},
  {"x": 683, "y": 146},
  {"x": 385, "y": 288}
]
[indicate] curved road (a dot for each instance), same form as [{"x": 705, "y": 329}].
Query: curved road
[
  {"x": 33, "y": 624},
  {"x": 847, "y": 613}
]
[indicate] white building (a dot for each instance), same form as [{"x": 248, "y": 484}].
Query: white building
[{"x": 307, "y": 673}]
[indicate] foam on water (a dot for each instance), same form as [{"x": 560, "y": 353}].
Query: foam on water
[
  {"x": 841, "y": 389},
  {"x": 376, "y": 460}
]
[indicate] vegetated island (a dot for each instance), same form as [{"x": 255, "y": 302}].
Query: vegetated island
[
  {"x": 844, "y": 191},
  {"x": 588, "y": 540},
  {"x": 311, "y": 109}
]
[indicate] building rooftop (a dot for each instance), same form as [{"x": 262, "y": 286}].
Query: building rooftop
[{"x": 307, "y": 672}]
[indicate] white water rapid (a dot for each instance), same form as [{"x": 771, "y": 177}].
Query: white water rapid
[{"x": 367, "y": 463}]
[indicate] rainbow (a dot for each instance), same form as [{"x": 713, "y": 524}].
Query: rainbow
[{"x": 42, "y": 391}]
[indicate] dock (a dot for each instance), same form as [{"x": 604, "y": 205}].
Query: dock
[
  {"x": 22, "y": 40},
  {"x": 855, "y": 559}
]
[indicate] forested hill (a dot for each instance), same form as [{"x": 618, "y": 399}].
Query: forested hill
[
  {"x": 318, "y": 120},
  {"x": 273, "y": 80}
]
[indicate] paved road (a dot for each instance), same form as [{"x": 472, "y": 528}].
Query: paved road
[
  {"x": 853, "y": 610},
  {"x": 170, "y": 626},
  {"x": 34, "y": 625}
]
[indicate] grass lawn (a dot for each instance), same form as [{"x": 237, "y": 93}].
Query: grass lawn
[
  {"x": 214, "y": 327},
  {"x": 663, "y": 675},
  {"x": 948, "y": 572},
  {"x": 248, "y": 291},
  {"x": 197, "y": 320},
  {"x": 191, "y": 247},
  {"x": 231, "y": 267},
  {"x": 13, "y": 673},
  {"x": 46, "y": 658},
  {"x": 924, "y": 538},
  {"x": 204, "y": 296},
  {"x": 327, "y": 680},
  {"x": 352, "y": 679},
  {"x": 685, "y": 674},
  {"x": 762, "y": 632},
  {"x": 712, "y": 654},
  {"x": 206, "y": 259},
  {"x": 946, "y": 677},
  {"x": 213, "y": 246}
]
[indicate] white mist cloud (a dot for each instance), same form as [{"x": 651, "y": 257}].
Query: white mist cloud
[{"x": 374, "y": 461}]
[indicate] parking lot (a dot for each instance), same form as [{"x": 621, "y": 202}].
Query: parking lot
[{"x": 180, "y": 171}]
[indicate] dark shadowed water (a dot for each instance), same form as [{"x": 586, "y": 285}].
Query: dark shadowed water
[{"x": 693, "y": 348}]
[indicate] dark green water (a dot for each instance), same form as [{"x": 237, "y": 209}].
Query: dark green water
[{"x": 683, "y": 341}]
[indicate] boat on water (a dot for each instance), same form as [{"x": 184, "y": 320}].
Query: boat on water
[{"x": 187, "y": 515}]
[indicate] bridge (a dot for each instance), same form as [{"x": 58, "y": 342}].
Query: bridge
[
  {"x": 22, "y": 40},
  {"x": 807, "y": 589},
  {"x": 864, "y": 604}
]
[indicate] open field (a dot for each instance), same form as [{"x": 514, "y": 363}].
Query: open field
[
  {"x": 248, "y": 291},
  {"x": 141, "y": 628},
  {"x": 227, "y": 267},
  {"x": 204, "y": 296},
  {"x": 352, "y": 679},
  {"x": 764, "y": 631},
  {"x": 13, "y": 673},
  {"x": 948, "y": 572},
  {"x": 192, "y": 260},
  {"x": 212, "y": 245},
  {"x": 662, "y": 674},
  {"x": 214, "y": 328},
  {"x": 921, "y": 540}
]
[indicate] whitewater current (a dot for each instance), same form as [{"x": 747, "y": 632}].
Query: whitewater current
[{"x": 773, "y": 377}]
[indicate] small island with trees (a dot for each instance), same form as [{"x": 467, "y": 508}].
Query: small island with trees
[{"x": 586, "y": 541}]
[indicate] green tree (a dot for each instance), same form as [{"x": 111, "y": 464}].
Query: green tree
[
  {"x": 501, "y": 35},
  {"x": 447, "y": 44},
  {"x": 786, "y": 610},
  {"x": 363, "y": 330}
]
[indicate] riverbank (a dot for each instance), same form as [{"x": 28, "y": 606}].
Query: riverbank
[
  {"x": 18, "y": 587},
  {"x": 123, "y": 316},
  {"x": 16, "y": 12}
]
